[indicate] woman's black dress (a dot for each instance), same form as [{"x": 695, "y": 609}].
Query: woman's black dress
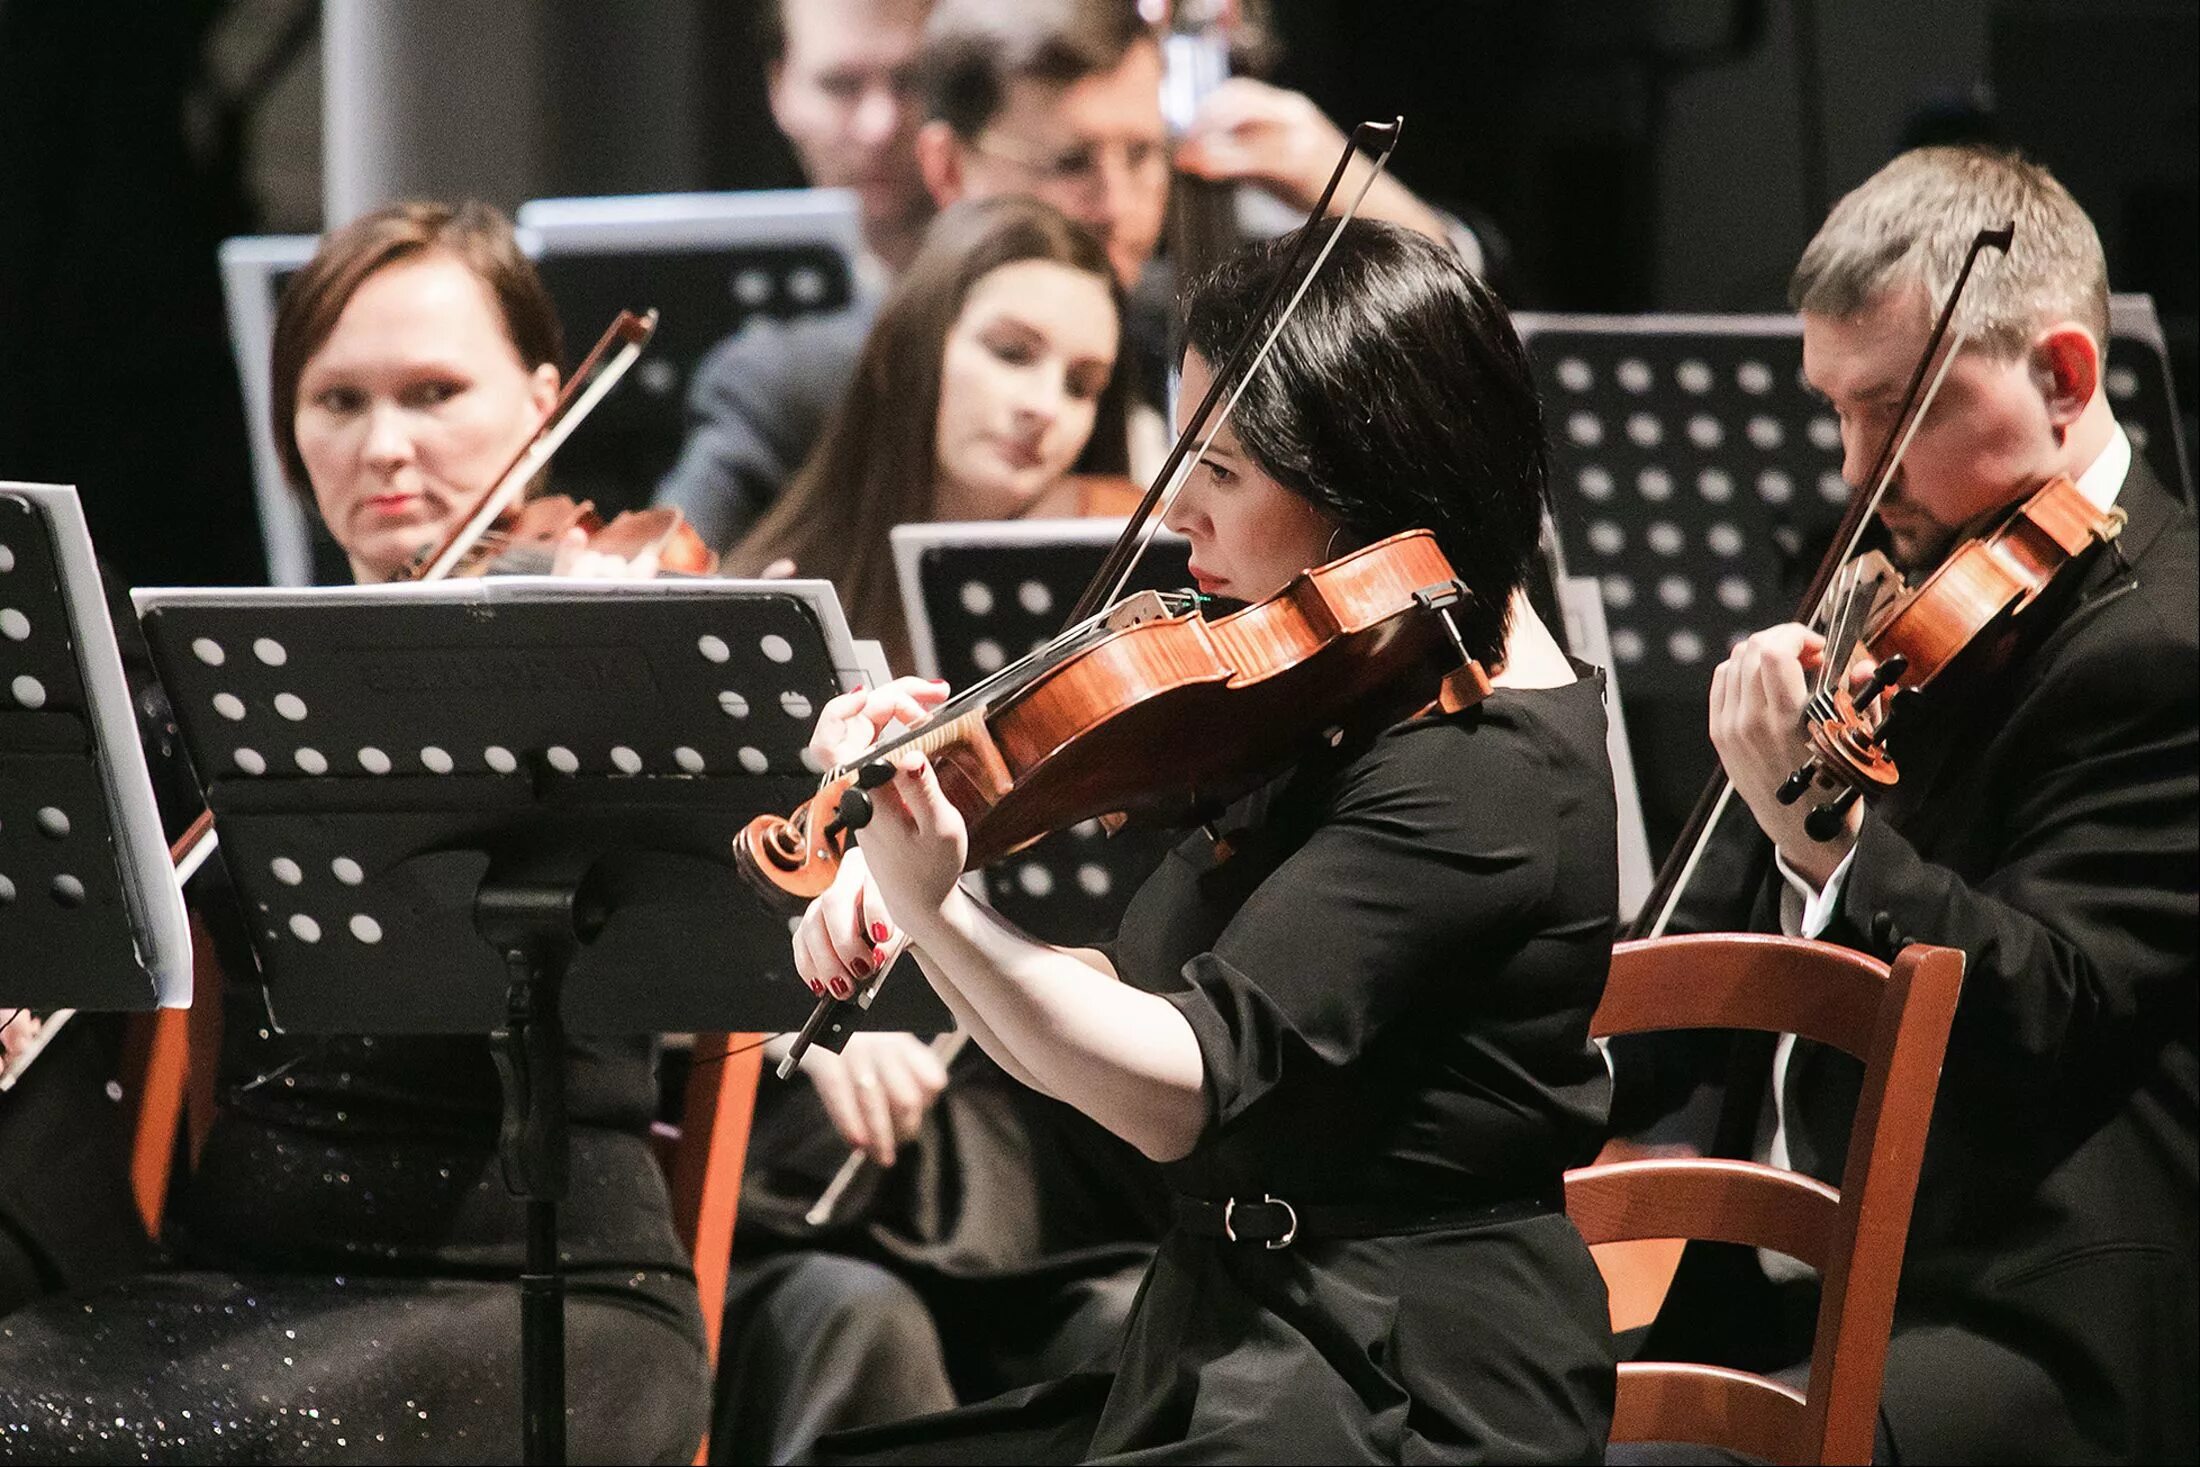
[
  {"x": 341, "y": 1281},
  {"x": 1389, "y": 961}
]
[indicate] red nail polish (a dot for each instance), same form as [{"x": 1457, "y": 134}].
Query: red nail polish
[
  {"x": 878, "y": 957},
  {"x": 878, "y": 932},
  {"x": 841, "y": 989},
  {"x": 862, "y": 969}
]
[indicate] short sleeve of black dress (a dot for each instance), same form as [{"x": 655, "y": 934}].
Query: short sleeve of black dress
[{"x": 1391, "y": 959}]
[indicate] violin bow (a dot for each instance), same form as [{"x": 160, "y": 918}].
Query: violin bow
[
  {"x": 1680, "y": 863},
  {"x": 614, "y": 352},
  {"x": 1138, "y": 532},
  {"x": 621, "y": 343}
]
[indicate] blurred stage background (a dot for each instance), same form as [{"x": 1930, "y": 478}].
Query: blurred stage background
[{"x": 1634, "y": 156}]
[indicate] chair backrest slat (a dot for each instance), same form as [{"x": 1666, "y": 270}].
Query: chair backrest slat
[
  {"x": 1707, "y": 1198},
  {"x": 1717, "y": 981},
  {"x": 1677, "y": 1402}
]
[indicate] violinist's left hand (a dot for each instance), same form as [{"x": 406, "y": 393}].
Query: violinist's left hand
[
  {"x": 1757, "y": 698},
  {"x": 916, "y": 841},
  {"x": 573, "y": 558},
  {"x": 1250, "y": 132}
]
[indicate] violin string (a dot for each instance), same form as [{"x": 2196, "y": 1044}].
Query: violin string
[{"x": 1184, "y": 467}]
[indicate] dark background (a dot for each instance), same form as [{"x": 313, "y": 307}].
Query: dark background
[{"x": 1633, "y": 154}]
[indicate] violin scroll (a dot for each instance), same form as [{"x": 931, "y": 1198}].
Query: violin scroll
[{"x": 790, "y": 860}]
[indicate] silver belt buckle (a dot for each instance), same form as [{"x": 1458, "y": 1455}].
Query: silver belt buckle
[{"x": 1229, "y": 1231}]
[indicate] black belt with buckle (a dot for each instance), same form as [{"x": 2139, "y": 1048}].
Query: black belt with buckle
[{"x": 1273, "y": 1222}]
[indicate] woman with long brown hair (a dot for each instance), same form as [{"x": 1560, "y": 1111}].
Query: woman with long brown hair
[{"x": 991, "y": 367}]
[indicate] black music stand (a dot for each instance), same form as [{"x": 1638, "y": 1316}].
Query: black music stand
[
  {"x": 711, "y": 263},
  {"x": 507, "y": 806},
  {"x": 1695, "y": 476},
  {"x": 982, "y": 594},
  {"x": 91, "y": 916}
]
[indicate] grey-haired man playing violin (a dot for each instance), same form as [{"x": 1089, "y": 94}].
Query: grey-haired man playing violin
[{"x": 2046, "y": 823}]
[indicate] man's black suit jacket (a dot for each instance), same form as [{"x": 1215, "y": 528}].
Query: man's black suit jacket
[{"x": 2047, "y": 824}]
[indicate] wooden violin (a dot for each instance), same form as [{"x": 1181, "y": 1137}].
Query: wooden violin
[
  {"x": 526, "y": 540},
  {"x": 1075, "y": 733},
  {"x": 1970, "y": 608},
  {"x": 511, "y": 532},
  {"x": 1140, "y": 707}
]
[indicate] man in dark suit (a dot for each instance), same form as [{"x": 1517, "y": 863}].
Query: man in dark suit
[{"x": 2047, "y": 824}]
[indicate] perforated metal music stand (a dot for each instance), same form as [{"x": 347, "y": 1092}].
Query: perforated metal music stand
[
  {"x": 1695, "y": 477},
  {"x": 708, "y": 262},
  {"x": 2141, "y": 391},
  {"x": 91, "y": 916},
  {"x": 508, "y": 805},
  {"x": 980, "y": 595},
  {"x": 254, "y": 270}
]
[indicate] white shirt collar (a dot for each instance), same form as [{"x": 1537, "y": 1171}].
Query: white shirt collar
[{"x": 2104, "y": 478}]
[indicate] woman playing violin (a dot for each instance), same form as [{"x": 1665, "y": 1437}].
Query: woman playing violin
[
  {"x": 1350, "y": 1016},
  {"x": 345, "y": 1245}
]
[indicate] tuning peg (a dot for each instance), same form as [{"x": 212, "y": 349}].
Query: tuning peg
[{"x": 1825, "y": 822}]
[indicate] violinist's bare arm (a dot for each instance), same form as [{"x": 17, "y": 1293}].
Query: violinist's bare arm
[
  {"x": 1055, "y": 1018},
  {"x": 1124, "y": 1057}
]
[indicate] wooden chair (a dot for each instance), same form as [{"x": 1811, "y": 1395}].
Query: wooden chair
[{"x": 1895, "y": 1019}]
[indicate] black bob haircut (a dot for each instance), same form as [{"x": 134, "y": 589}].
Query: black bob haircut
[{"x": 1398, "y": 397}]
